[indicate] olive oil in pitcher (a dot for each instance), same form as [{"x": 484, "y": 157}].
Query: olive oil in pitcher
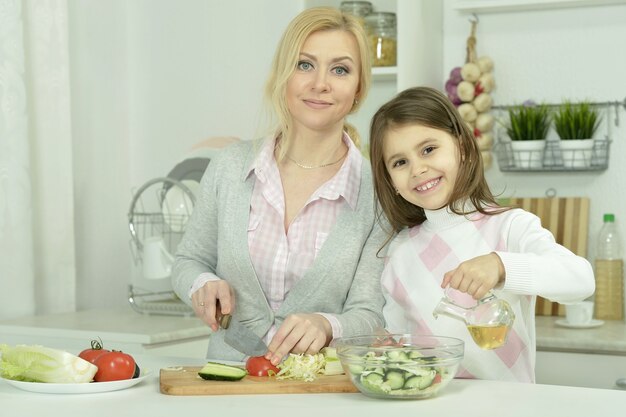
[{"x": 488, "y": 322}]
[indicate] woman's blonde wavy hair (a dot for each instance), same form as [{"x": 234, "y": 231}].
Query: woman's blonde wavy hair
[{"x": 286, "y": 59}]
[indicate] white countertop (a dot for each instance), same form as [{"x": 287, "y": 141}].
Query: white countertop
[
  {"x": 465, "y": 398},
  {"x": 610, "y": 338},
  {"x": 114, "y": 324},
  {"x": 126, "y": 325},
  {"x": 120, "y": 329}
]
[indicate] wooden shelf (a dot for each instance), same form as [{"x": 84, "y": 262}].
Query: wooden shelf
[{"x": 384, "y": 73}]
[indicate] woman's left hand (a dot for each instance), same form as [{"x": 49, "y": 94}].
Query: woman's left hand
[
  {"x": 299, "y": 333},
  {"x": 476, "y": 276}
]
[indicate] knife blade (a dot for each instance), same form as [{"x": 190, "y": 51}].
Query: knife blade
[{"x": 241, "y": 338}]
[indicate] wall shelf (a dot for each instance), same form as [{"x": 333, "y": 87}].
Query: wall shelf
[
  {"x": 552, "y": 158},
  {"x": 384, "y": 73},
  {"x": 498, "y": 6}
]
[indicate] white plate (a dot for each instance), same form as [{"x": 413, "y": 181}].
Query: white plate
[
  {"x": 85, "y": 388},
  {"x": 177, "y": 206},
  {"x": 590, "y": 325}
]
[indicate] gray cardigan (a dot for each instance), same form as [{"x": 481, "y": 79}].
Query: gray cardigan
[{"x": 343, "y": 280}]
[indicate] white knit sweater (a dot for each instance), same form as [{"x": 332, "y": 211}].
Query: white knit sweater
[{"x": 534, "y": 263}]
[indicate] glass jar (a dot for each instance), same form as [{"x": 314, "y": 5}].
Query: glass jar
[
  {"x": 381, "y": 28},
  {"x": 359, "y": 9}
]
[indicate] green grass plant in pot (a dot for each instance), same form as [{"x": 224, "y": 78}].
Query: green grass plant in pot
[
  {"x": 528, "y": 128},
  {"x": 576, "y": 125}
]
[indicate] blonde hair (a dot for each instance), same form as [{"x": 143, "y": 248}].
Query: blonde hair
[
  {"x": 286, "y": 59},
  {"x": 427, "y": 107}
]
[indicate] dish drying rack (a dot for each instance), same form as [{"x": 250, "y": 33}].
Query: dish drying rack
[{"x": 147, "y": 218}]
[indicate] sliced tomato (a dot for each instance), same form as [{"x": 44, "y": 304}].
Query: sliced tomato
[{"x": 259, "y": 366}]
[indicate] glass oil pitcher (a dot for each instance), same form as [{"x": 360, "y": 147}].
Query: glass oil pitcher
[{"x": 488, "y": 322}]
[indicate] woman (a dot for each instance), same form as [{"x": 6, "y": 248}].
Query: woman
[{"x": 283, "y": 234}]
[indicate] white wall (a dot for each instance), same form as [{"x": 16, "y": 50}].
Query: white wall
[
  {"x": 551, "y": 55},
  {"x": 151, "y": 78}
]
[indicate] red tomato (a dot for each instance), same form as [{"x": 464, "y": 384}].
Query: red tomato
[
  {"x": 94, "y": 353},
  {"x": 115, "y": 366},
  {"x": 258, "y": 366}
]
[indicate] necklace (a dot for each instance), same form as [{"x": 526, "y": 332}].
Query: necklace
[{"x": 318, "y": 166}]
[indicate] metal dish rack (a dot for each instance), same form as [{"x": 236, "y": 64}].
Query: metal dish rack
[{"x": 147, "y": 218}]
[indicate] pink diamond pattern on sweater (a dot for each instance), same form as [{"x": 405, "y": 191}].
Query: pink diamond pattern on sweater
[
  {"x": 512, "y": 349},
  {"x": 434, "y": 253}
]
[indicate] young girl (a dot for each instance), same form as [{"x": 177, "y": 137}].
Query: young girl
[{"x": 448, "y": 231}]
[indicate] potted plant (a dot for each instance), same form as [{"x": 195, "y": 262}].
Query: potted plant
[
  {"x": 528, "y": 128},
  {"x": 576, "y": 125}
]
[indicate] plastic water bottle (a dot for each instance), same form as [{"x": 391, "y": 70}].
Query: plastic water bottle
[{"x": 609, "y": 265}]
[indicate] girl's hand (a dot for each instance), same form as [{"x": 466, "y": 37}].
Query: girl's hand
[
  {"x": 299, "y": 333},
  {"x": 476, "y": 276},
  {"x": 213, "y": 300}
]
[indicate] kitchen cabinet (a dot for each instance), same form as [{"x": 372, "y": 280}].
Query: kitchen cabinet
[
  {"x": 580, "y": 369},
  {"x": 121, "y": 329},
  {"x": 593, "y": 358},
  {"x": 420, "y": 53}
]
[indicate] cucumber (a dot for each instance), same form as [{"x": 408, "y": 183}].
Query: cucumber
[
  {"x": 220, "y": 372},
  {"x": 420, "y": 381},
  {"x": 397, "y": 355},
  {"x": 395, "y": 379},
  {"x": 373, "y": 378},
  {"x": 374, "y": 382}
]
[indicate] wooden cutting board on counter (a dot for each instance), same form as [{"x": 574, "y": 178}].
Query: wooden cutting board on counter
[
  {"x": 185, "y": 381},
  {"x": 568, "y": 220}
]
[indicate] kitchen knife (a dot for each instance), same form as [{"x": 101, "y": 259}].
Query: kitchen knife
[{"x": 241, "y": 338}]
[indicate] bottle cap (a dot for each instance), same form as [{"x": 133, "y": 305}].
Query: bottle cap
[{"x": 609, "y": 218}]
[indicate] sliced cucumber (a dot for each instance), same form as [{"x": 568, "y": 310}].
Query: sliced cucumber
[
  {"x": 397, "y": 355},
  {"x": 414, "y": 354},
  {"x": 356, "y": 369},
  {"x": 374, "y": 382},
  {"x": 395, "y": 379},
  {"x": 220, "y": 372},
  {"x": 422, "y": 381}
]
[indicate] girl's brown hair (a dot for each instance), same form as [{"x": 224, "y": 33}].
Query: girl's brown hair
[
  {"x": 286, "y": 59},
  {"x": 427, "y": 107}
]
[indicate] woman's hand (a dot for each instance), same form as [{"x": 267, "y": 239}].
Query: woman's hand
[
  {"x": 213, "y": 300},
  {"x": 299, "y": 333},
  {"x": 476, "y": 276}
]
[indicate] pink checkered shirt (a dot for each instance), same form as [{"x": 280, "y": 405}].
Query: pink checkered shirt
[{"x": 280, "y": 259}]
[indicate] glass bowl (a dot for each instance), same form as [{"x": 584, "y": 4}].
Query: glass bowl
[{"x": 400, "y": 366}]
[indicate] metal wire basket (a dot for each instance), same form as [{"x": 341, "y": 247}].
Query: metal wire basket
[
  {"x": 553, "y": 158},
  {"x": 161, "y": 207}
]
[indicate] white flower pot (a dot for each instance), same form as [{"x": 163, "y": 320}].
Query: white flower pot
[
  {"x": 528, "y": 153},
  {"x": 576, "y": 153}
]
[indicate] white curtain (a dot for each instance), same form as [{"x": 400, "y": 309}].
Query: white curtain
[{"x": 37, "y": 255}]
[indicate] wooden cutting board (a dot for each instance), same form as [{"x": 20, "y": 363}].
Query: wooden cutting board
[
  {"x": 185, "y": 381},
  {"x": 568, "y": 220}
]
